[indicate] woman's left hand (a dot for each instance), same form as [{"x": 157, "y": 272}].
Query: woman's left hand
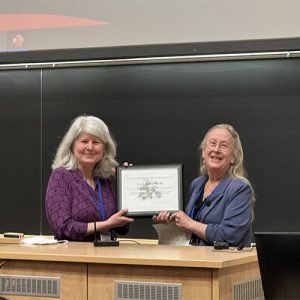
[
  {"x": 119, "y": 219},
  {"x": 182, "y": 220},
  {"x": 125, "y": 164}
]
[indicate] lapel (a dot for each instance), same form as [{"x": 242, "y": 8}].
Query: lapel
[
  {"x": 77, "y": 176},
  {"x": 214, "y": 198},
  {"x": 196, "y": 191},
  {"x": 216, "y": 195},
  {"x": 83, "y": 187}
]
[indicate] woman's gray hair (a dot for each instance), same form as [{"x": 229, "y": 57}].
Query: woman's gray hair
[
  {"x": 236, "y": 169},
  {"x": 91, "y": 125}
]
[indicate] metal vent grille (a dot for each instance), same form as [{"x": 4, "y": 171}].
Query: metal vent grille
[
  {"x": 136, "y": 290},
  {"x": 248, "y": 290},
  {"x": 30, "y": 285}
]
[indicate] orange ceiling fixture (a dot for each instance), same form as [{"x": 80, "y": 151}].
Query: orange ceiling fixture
[{"x": 43, "y": 21}]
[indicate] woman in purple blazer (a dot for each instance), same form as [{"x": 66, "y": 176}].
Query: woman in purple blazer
[
  {"x": 80, "y": 195},
  {"x": 221, "y": 202}
]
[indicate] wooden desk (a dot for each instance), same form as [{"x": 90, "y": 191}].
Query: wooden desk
[{"x": 88, "y": 272}]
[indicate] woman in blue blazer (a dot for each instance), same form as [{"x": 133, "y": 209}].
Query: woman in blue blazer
[{"x": 220, "y": 208}]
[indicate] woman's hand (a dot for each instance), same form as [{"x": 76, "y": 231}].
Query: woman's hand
[
  {"x": 125, "y": 164},
  {"x": 163, "y": 217},
  {"x": 119, "y": 219},
  {"x": 182, "y": 220}
]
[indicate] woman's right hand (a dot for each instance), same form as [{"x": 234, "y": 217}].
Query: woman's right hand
[
  {"x": 163, "y": 217},
  {"x": 126, "y": 164}
]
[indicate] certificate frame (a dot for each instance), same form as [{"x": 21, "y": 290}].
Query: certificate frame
[{"x": 146, "y": 190}]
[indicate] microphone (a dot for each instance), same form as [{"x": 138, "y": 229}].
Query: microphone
[
  {"x": 240, "y": 247},
  {"x": 99, "y": 243},
  {"x": 207, "y": 202}
]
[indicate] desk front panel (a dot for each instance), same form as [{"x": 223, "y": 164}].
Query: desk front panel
[
  {"x": 73, "y": 277},
  {"x": 196, "y": 282}
]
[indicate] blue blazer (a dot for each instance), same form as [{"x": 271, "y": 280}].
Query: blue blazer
[{"x": 227, "y": 213}]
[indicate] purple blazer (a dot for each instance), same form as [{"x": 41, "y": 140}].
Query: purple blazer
[
  {"x": 70, "y": 204},
  {"x": 228, "y": 212}
]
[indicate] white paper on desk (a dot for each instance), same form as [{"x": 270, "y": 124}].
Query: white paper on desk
[
  {"x": 170, "y": 234},
  {"x": 41, "y": 240}
]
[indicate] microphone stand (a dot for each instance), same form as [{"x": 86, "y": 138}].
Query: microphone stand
[{"x": 99, "y": 243}]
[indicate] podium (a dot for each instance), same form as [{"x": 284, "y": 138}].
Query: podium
[{"x": 83, "y": 271}]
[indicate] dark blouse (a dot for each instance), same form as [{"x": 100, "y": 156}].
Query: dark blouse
[
  {"x": 194, "y": 215},
  {"x": 71, "y": 204}
]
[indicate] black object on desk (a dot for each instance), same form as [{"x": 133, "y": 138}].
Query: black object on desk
[
  {"x": 221, "y": 245},
  {"x": 99, "y": 243}
]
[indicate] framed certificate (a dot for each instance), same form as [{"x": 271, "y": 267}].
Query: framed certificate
[{"x": 148, "y": 190}]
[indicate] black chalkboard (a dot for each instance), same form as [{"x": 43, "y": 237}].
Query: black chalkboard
[
  {"x": 158, "y": 113},
  {"x": 20, "y": 151}
]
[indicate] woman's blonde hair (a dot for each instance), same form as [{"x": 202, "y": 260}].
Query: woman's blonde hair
[{"x": 236, "y": 169}]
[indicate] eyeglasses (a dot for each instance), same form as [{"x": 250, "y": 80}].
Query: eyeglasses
[{"x": 223, "y": 146}]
